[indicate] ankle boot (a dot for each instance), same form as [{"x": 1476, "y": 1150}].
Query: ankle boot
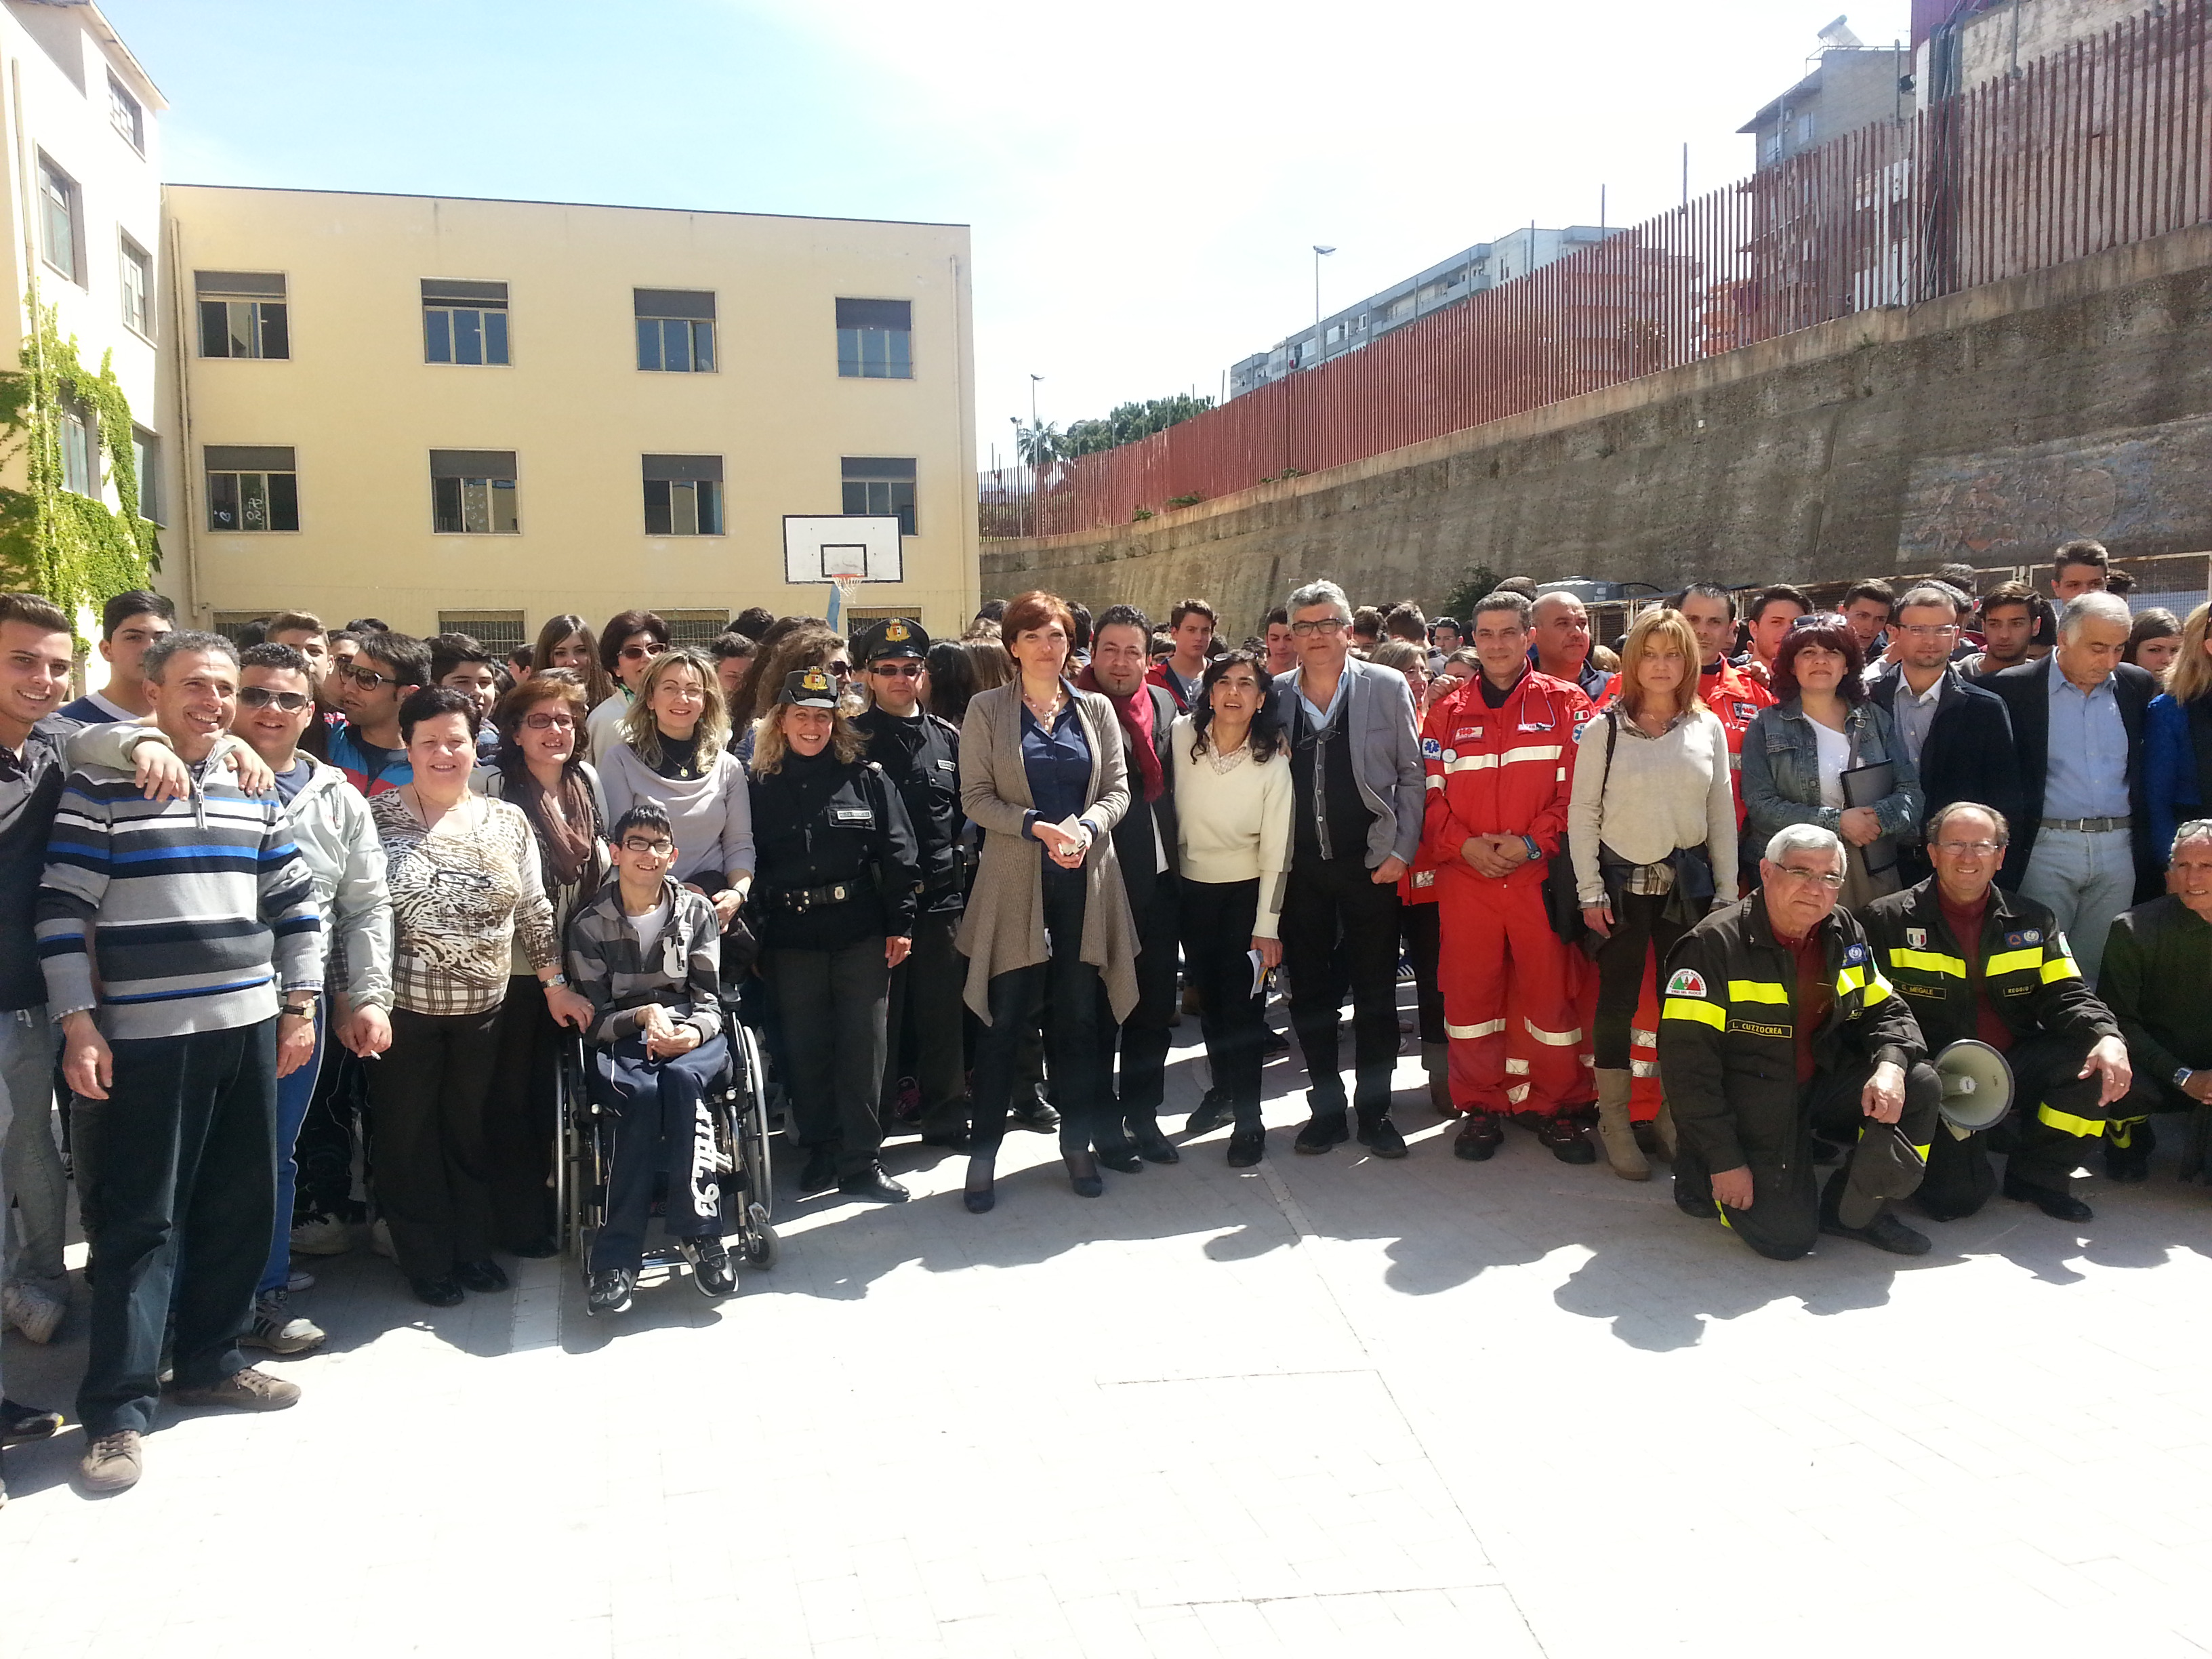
[
  {"x": 1615, "y": 1132},
  {"x": 1436, "y": 1060},
  {"x": 1151, "y": 1146},
  {"x": 1670, "y": 1147}
]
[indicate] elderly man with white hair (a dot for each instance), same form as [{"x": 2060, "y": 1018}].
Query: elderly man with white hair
[
  {"x": 2157, "y": 968},
  {"x": 1777, "y": 1022},
  {"x": 2081, "y": 848}
]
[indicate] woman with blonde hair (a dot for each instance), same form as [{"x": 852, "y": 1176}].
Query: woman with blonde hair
[
  {"x": 674, "y": 749},
  {"x": 2178, "y": 736},
  {"x": 1651, "y": 831}
]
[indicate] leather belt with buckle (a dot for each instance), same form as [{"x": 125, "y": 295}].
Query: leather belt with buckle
[{"x": 2089, "y": 826}]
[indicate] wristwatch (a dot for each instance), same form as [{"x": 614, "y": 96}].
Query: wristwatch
[
  {"x": 554, "y": 983},
  {"x": 1534, "y": 851},
  {"x": 2181, "y": 1078},
  {"x": 303, "y": 1010}
]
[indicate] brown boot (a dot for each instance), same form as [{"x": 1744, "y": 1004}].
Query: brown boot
[
  {"x": 1435, "y": 1061},
  {"x": 1615, "y": 1132}
]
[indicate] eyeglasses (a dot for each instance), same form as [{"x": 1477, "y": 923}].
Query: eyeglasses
[
  {"x": 1827, "y": 878},
  {"x": 1928, "y": 630},
  {"x": 260, "y": 696},
  {"x": 367, "y": 678},
  {"x": 843, "y": 671},
  {"x": 902, "y": 670},
  {"x": 1980, "y": 849},
  {"x": 1323, "y": 625},
  {"x": 550, "y": 722},
  {"x": 659, "y": 849},
  {"x": 639, "y": 652}
]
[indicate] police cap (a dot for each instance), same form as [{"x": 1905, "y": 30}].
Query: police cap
[
  {"x": 893, "y": 636},
  {"x": 809, "y": 688}
]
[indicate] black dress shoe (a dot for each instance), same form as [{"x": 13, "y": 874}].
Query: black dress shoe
[
  {"x": 1213, "y": 1112},
  {"x": 20, "y": 1423},
  {"x": 482, "y": 1277},
  {"x": 1123, "y": 1159},
  {"x": 442, "y": 1291},
  {"x": 1324, "y": 1130},
  {"x": 1083, "y": 1175},
  {"x": 1566, "y": 1140},
  {"x": 1151, "y": 1146},
  {"x": 1246, "y": 1147},
  {"x": 1884, "y": 1232},
  {"x": 873, "y": 1183},
  {"x": 1381, "y": 1137},
  {"x": 537, "y": 1249},
  {"x": 1479, "y": 1138},
  {"x": 977, "y": 1191},
  {"x": 819, "y": 1174},
  {"x": 2059, "y": 1207},
  {"x": 955, "y": 1142},
  {"x": 1036, "y": 1112}
]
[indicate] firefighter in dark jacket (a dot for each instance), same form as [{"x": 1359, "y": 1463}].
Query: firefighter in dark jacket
[
  {"x": 1974, "y": 961},
  {"x": 835, "y": 880},
  {"x": 1776, "y": 1018},
  {"x": 2158, "y": 965},
  {"x": 920, "y": 757}
]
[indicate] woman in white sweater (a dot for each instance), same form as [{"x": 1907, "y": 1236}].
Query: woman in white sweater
[
  {"x": 1651, "y": 780},
  {"x": 1232, "y": 791},
  {"x": 674, "y": 749}
]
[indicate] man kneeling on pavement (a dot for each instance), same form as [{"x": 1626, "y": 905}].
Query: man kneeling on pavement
[
  {"x": 1974, "y": 961},
  {"x": 1775, "y": 1020}
]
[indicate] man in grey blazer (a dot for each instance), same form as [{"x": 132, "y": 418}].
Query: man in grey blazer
[{"x": 1358, "y": 795}]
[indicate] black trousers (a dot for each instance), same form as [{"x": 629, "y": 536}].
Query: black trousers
[
  {"x": 1421, "y": 930},
  {"x": 924, "y": 1008},
  {"x": 187, "y": 1153},
  {"x": 1066, "y": 993},
  {"x": 427, "y": 1094},
  {"x": 1887, "y": 1161},
  {"x": 1145, "y": 1036},
  {"x": 1217, "y": 931},
  {"x": 2057, "y": 1124},
  {"x": 831, "y": 1005},
  {"x": 662, "y": 1127},
  {"x": 1638, "y": 924},
  {"x": 1330, "y": 900},
  {"x": 520, "y": 1106}
]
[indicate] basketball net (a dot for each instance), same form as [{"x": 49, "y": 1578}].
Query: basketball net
[{"x": 842, "y": 590}]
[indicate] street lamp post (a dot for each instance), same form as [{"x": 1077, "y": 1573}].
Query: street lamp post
[{"x": 1320, "y": 253}]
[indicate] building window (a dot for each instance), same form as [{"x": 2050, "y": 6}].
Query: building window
[
  {"x": 59, "y": 202},
  {"x": 124, "y": 115},
  {"x": 146, "y": 455},
  {"x": 80, "y": 441},
  {"x": 875, "y": 339},
  {"x": 472, "y": 493},
  {"x": 242, "y": 314},
  {"x": 137, "y": 288},
  {"x": 497, "y": 631},
  {"x": 881, "y": 484},
  {"x": 684, "y": 495},
  {"x": 252, "y": 486},
  {"x": 695, "y": 628},
  {"x": 232, "y": 624},
  {"x": 675, "y": 331},
  {"x": 463, "y": 322}
]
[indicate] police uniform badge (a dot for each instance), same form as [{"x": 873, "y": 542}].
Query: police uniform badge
[{"x": 896, "y": 632}]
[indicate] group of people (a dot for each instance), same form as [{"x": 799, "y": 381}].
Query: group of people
[{"x": 307, "y": 918}]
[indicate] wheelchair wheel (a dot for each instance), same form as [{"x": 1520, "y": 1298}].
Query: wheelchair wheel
[
  {"x": 752, "y": 1185},
  {"x": 570, "y": 1178}
]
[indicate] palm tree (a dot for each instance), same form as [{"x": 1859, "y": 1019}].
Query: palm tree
[{"x": 1040, "y": 446}]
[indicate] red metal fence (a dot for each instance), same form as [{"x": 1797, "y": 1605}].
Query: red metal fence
[{"x": 2106, "y": 142}]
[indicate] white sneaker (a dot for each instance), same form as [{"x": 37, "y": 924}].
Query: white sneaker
[
  {"x": 380, "y": 1239},
  {"x": 322, "y": 1234},
  {"x": 278, "y": 1329},
  {"x": 301, "y": 1279},
  {"x": 33, "y": 1309}
]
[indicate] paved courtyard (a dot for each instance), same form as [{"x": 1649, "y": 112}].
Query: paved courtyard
[{"x": 1331, "y": 1405}]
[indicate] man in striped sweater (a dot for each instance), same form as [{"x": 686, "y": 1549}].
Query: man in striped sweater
[{"x": 165, "y": 930}]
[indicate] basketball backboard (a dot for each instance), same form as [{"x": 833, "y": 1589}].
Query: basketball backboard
[{"x": 841, "y": 547}]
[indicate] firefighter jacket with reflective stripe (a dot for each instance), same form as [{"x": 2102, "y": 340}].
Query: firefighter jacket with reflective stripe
[
  {"x": 1728, "y": 1035},
  {"x": 2158, "y": 963},
  {"x": 2028, "y": 971},
  {"x": 1501, "y": 771}
]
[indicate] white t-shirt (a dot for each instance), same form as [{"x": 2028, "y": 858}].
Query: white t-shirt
[
  {"x": 1835, "y": 749},
  {"x": 650, "y": 926}
]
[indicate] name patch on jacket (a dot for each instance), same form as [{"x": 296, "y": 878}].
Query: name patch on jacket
[
  {"x": 852, "y": 814},
  {"x": 1752, "y": 1027}
]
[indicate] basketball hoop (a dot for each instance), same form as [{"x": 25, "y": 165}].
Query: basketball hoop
[{"x": 842, "y": 590}]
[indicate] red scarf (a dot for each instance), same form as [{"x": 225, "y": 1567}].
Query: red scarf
[{"x": 1135, "y": 712}]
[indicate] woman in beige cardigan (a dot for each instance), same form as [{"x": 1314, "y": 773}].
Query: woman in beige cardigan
[{"x": 1048, "y": 928}]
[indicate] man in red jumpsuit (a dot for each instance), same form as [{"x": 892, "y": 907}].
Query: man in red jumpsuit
[{"x": 1498, "y": 752}]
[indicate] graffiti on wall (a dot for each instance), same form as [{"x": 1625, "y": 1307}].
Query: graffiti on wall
[{"x": 2144, "y": 488}]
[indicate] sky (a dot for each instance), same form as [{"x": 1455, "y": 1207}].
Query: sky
[{"x": 1144, "y": 181}]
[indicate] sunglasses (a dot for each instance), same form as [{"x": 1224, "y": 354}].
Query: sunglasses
[
  {"x": 639, "y": 652},
  {"x": 367, "y": 678},
  {"x": 903, "y": 670},
  {"x": 843, "y": 671},
  {"x": 260, "y": 696}
]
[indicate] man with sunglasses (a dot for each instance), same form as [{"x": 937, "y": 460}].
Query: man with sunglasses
[
  {"x": 1777, "y": 1020},
  {"x": 366, "y": 745},
  {"x": 919, "y": 755}
]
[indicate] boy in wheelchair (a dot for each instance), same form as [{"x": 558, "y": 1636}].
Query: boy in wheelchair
[{"x": 645, "y": 951}]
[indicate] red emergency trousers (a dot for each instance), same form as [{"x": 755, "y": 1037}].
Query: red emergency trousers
[{"x": 1504, "y": 771}]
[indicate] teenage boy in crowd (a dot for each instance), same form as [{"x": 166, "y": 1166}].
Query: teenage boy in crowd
[{"x": 129, "y": 622}]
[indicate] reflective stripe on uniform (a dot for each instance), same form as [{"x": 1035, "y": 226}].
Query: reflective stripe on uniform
[
  {"x": 1920, "y": 1153},
  {"x": 1488, "y": 1028},
  {"x": 1517, "y": 1093},
  {"x": 2012, "y": 961},
  {"x": 1639, "y": 1038},
  {"x": 1553, "y": 1039},
  {"x": 1516, "y": 1066},
  {"x": 1758, "y": 990},
  {"x": 1877, "y": 987},
  {"x": 2057, "y": 968},
  {"x": 1690, "y": 1008},
  {"x": 1435, "y": 781},
  {"x": 1644, "y": 1068},
  {"x": 1930, "y": 962},
  {"x": 1526, "y": 752},
  {"x": 2066, "y": 1123},
  {"x": 1850, "y": 979}
]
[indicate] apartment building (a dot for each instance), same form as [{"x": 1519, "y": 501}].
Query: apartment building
[{"x": 476, "y": 415}]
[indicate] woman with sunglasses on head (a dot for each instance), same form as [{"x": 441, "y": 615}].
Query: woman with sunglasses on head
[
  {"x": 805, "y": 644},
  {"x": 1799, "y": 753},
  {"x": 538, "y": 767},
  {"x": 674, "y": 749},
  {"x": 633, "y": 639}
]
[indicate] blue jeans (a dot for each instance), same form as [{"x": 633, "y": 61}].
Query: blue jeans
[
  {"x": 293, "y": 1094},
  {"x": 2086, "y": 881}
]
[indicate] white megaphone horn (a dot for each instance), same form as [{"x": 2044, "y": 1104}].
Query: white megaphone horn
[{"x": 1977, "y": 1085}]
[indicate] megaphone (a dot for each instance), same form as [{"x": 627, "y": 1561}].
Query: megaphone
[{"x": 1977, "y": 1085}]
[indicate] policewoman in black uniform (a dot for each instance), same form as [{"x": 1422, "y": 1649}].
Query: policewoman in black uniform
[
  {"x": 920, "y": 757},
  {"x": 835, "y": 882}
]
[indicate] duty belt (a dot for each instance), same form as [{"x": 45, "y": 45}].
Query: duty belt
[
  {"x": 2089, "y": 826},
  {"x": 802, "y": 899}
]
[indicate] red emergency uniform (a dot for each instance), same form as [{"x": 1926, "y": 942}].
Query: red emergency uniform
[{"x": 1504, "y": 771}]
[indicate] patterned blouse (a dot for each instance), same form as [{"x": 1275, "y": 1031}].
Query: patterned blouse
[{"x": 462, "y": 895}]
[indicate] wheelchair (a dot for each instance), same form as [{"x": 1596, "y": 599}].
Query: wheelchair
[{"x": 584, "y": 1152}]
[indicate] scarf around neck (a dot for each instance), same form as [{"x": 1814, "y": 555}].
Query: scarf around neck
[{"x": 1134, "y": 711}]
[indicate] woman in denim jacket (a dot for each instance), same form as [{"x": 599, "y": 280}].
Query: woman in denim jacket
[{"x": 1822, "y": 726}]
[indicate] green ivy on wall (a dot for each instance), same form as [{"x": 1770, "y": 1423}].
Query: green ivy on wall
[{"x": 53, "y": 540}]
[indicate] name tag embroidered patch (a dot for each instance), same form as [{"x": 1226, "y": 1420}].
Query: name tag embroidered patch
[{"x": 1752, "y": 1028}]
